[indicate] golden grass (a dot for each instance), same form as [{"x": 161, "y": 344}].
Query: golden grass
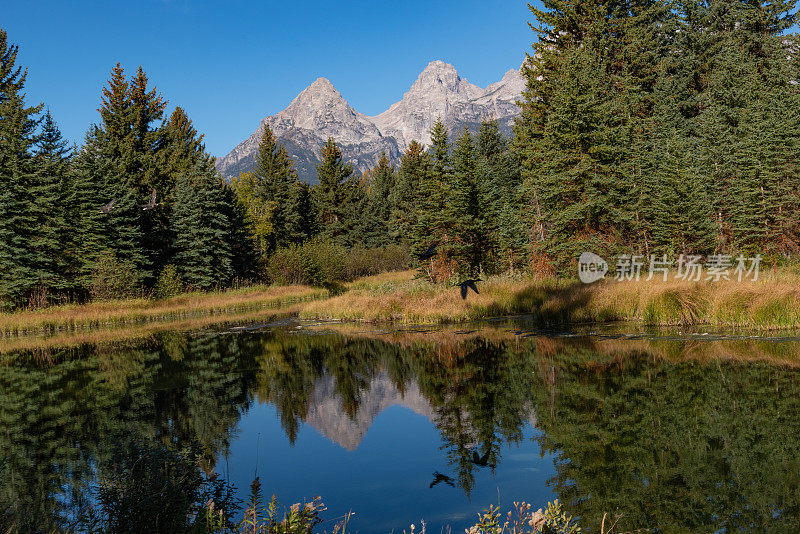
[
  {"x": 140, "y": 332},
  {"x": 772, "y": 302},
  {"x": 115, "y": 314}
]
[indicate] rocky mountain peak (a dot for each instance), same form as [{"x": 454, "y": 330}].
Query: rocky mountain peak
[
  {"x": 320, "y": 112},
  {"x": 316, "y": 105},
  {"x": 440, "y": 78}
]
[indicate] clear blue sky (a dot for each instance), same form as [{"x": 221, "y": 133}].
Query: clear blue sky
[{"x": 230, "y": 64}]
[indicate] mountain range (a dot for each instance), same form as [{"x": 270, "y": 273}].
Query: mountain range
[{"x": 320, "y": 112}]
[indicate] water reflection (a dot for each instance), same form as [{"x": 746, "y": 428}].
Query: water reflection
[{"x": 645, "y": 431}]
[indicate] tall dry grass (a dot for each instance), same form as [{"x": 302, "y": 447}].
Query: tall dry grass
[
  {"x": 773, "y": 302},
  {"x": 123, "y": 313}
]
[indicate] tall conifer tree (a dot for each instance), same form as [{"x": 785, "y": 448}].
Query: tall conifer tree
[
  {"x": 18, "y": 217},
  {"x": 331, "y": 193}
]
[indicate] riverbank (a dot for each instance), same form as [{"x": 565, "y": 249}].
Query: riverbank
[
  {"x": 768, "y": 304},
  {"x": 115, "y": 314}
]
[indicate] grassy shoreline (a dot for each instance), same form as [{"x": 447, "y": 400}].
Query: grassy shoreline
[
  {"x": 126, "y": 313},
  {"x": 769, "y": 304}
]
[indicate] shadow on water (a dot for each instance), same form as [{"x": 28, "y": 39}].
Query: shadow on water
[{"x": 668, "y": 435}]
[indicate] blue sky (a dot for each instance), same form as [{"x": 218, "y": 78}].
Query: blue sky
[{"x": 230, "y": 64}]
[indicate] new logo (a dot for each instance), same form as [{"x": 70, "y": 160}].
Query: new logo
[{"x": 591, "y": 267}]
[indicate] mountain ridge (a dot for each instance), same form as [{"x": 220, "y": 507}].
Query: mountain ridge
[{"x": 319, "y": 111}]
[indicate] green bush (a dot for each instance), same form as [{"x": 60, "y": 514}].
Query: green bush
[
  {"x": 369, "y": 261},
  {"x": 318, "y": 263},
  {"x": 113, "y": 278},
  {"x": 313, "y": 263},
  {"x": 169, "y": 283}
]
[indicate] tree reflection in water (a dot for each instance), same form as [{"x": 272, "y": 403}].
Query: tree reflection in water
[{"x": 664, "y": 443}]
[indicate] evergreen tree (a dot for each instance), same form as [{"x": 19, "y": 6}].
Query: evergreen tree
[
  {"x": 52, "y": 223},
  {"x": 432, "y": 190},
  {"x": 414, "y": 167},
  {"x": 128, "y": 141},
  {"x": 467, "y": 208},
  {"x": 331, "y": 192},
  {"x": 301, "y": 220},
  {"x": 274, "y": 175},
  {"x": 377, "y": 210},
  {"x": 88, "y": 189},
  {"x": 244, "y": 258},
  {"x": 202, "y": 229},
  {"x": 497, "y": 173},
  {"x": 18, "y": 216},
  {"x": 589, "y": 87},
  {"x": 257, "y": 212}
]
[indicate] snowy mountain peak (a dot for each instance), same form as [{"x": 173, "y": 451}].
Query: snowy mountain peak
[{"x": 320, "y": 111}]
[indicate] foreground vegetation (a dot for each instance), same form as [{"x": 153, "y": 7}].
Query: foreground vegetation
[
  {"x": 770, "y": 303},
  {"x": 404, "y": 298},
  {"x": 225, "y": 305}
]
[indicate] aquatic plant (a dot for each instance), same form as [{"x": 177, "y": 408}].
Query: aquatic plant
[{"x": 521, "y": 520}]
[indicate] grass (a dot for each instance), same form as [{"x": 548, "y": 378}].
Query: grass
[
  {"x": 399, "y": 297},
  {"x": 127, "y": 313},
  {"x": 772, "y": 302}
]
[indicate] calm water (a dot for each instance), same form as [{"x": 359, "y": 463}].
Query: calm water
[{"x": 674, "y": 432}]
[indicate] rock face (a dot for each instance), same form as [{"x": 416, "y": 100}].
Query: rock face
[
  {"x": 319, "y": 112},
  {"x": 441, "y": 92}
]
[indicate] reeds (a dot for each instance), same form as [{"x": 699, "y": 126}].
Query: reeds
[
  {"x": 125, "y": 313},
  {"x": 767, "y": 304}
]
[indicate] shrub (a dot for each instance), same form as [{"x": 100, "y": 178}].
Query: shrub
[
  {"x": 314, "y": 263},
  {"x": 368, "y": 261},
  {"x": 169, "y": 283},
  {"x": 113, "y": 278},
  {"x": 318, "y": 263}
]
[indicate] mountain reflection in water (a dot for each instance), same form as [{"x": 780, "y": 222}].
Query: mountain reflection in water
[{"x": 668, "y": 434}]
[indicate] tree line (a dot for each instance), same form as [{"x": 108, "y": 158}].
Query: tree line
[
  {"x": 646, "y": 127},
  {"x": 107, "y": 218},
  {"x": 463, "y": 195},
  {"x": 661, "y": 127}
]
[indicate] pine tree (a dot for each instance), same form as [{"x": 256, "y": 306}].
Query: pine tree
[
  {"x": 498, "y": 174},
  {"x": 356, "y": 222},
  {"x": 747, "y": 129},
  {"x": 301, "y": 219},
  {"x": 271, "y": 195},
  {"x": 467, "y": 208},
  {"x": 589, "y": 87},
  {"x": 53, "y": 225},
  {"x": 18, "y": 217},
  {"x": 244, "y": 258},
  {"x": 257, "y": 212},
  {"x": 88, "y": 189},
  {"x": 274, "y": 174},
  {"x": 331, "y": 193},
  {"x": 377, "y": 210},
  {"x": 127, "y": 141},
  {"x": 202, "y": 229},
  {"x": 432, "y": 191},
  {"x": 414, "y": 167}
]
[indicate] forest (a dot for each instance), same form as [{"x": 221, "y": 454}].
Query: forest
[{"x": 647, "y": 127}]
